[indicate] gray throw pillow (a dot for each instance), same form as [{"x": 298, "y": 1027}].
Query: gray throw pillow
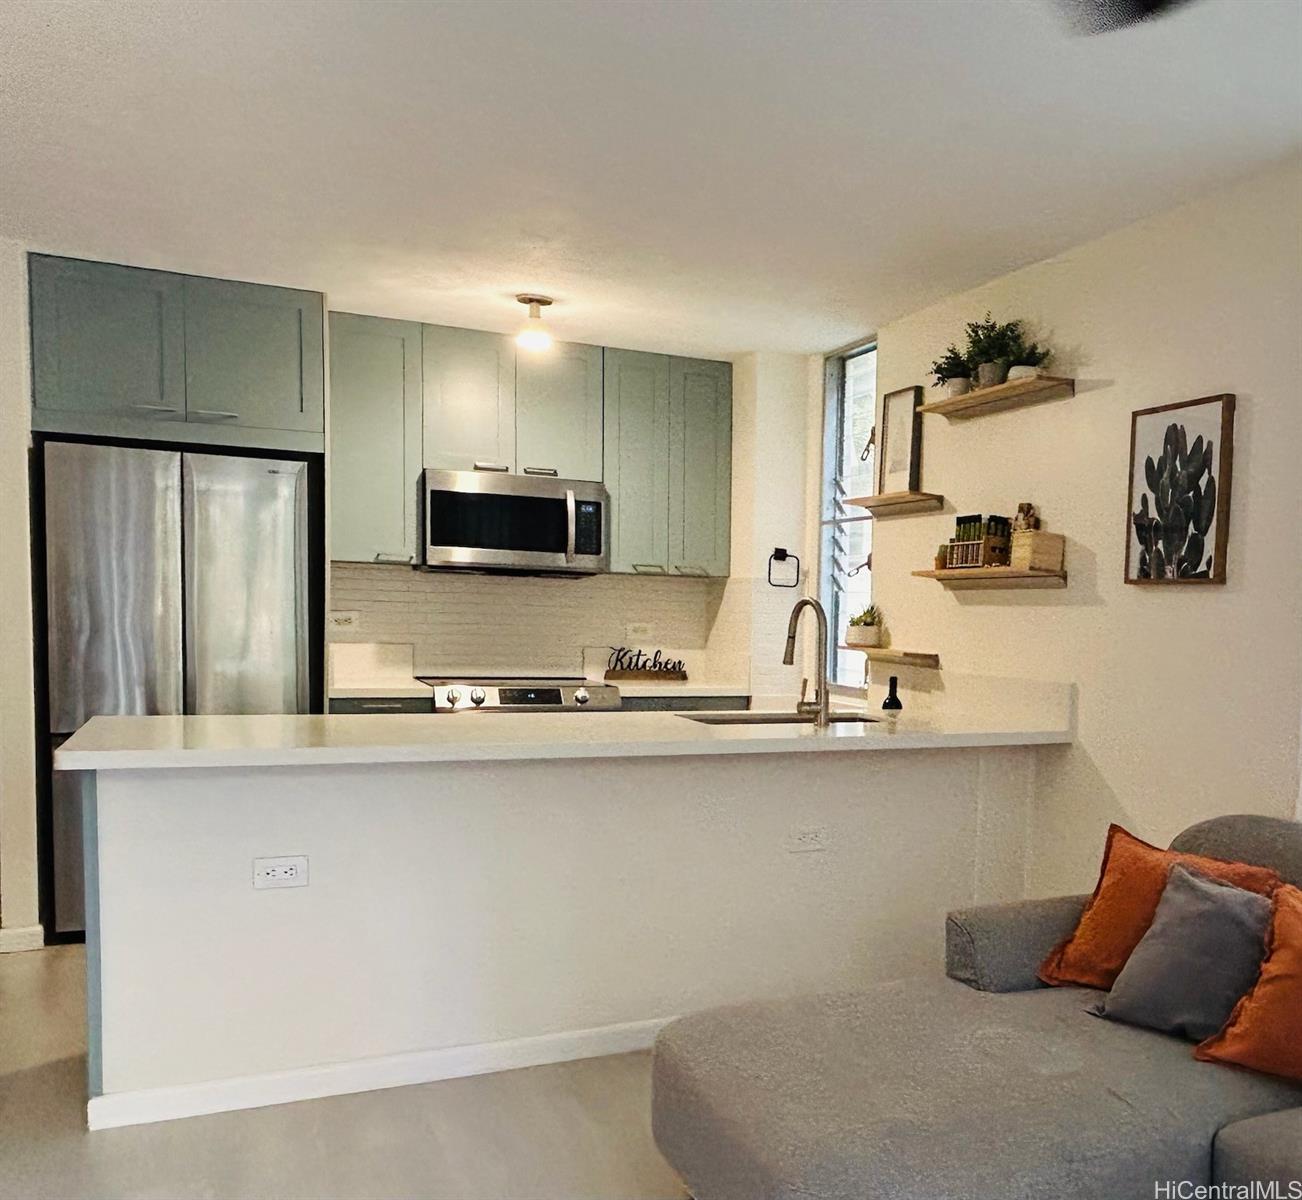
[{"x": 1202, "y": 952}]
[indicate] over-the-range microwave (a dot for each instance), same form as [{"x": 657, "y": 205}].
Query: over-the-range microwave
[{"x": 494, "y": 521}]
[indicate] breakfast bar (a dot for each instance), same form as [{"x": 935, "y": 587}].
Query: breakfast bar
[{"x": 472, "y": 893}]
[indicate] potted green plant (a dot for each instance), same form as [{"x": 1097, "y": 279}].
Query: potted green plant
[
  {"x": 1027, "y": 361},
  {"x": 953, "y": 371},
  {"x": 990, "y": 347},
  {"x": 865, "y": 629}
]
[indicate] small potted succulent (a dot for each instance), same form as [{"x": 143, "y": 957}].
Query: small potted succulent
[
  {"x": 952, "y": 371},
  {"x": 1027, "y": 361},
  {"x": 865, "y": 629},
  {"x": 991, "y": 347}
]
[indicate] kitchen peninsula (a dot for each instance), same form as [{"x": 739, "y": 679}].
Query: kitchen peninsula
[{"x": 497, "y": 891}]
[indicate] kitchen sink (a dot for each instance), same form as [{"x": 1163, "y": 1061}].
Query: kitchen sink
[{"x": 773, "y": 718}]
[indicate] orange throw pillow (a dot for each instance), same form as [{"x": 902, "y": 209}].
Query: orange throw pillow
[
  {"x": 1119, "y": 913},
  {"x": 1264, "y": 1031}
]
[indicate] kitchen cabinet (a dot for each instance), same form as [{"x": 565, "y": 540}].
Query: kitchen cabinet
[
  {"x": 375, "y": 438},
  {"x": 668, "y": 464},
  {"x": 253, "y": 355},
  {"x": 558, "y": 412},
  {"x": 107, "y": 340},
  {"x": 700, "y": 466},
  {"x": 124, "y": 352},
  {"x": 469, "y": 421},
  {"x": 637, "y": 460}
]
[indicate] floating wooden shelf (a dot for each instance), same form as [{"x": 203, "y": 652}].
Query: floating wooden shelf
[
  {"x": 896, "y": 504},
  {"x": 901, "y": 658},
  {"x": 980, "y": 401},
  {"x": 960, "y": 578}
]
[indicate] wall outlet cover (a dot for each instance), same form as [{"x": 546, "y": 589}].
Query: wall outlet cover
[
  {"x": 813, "y": 840},
  {"x": 286, "y": 871},
  {"x": 344, "y": 618},
  {"x": 639, "y": 630}
]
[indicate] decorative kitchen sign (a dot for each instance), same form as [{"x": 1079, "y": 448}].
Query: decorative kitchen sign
[
  {"x": 899, "y": 442},
  {"x": 627, "y": 663},
  {"x": 1180, "y": 466}
]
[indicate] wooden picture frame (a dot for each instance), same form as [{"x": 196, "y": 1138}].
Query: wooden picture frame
[
  {"x": 1180, "y": 539},
  {"x": 899, "y": 467}
]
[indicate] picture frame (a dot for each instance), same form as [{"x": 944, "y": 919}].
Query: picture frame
[
  {"x": 1178, "y": 502},
  {"x": 899, "y": 441}
]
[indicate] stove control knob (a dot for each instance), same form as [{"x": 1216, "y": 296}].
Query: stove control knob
[
  {"x": 581, "y": 696},
  {"x": 477, "y": 696},
  {"x": 454, "y": 697}
]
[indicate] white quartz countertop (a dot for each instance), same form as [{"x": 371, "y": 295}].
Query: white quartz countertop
[{"x": 144, "y": 743}]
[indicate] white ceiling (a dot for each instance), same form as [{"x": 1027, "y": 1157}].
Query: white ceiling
[{"x": 699, "y": 176}]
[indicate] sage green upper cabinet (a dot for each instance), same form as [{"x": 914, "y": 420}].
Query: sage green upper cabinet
[
  {"x": 107, "y": 340},
  {"x": 637, "y": 460},
  {"x": 469, "y": 400},
  {"x": 700, "y": 466},
  {"x": 253, "y": 355},
  {"x": 375, "y": 438},
  {"x": 558, "y": 423}
]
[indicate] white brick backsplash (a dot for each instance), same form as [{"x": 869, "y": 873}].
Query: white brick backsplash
[{"x": 519, "y": 622}]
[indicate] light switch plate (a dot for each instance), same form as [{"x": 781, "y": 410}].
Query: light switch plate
[
  {"x": 344, "y": 618},
  {"x": 289, "y": 870}
]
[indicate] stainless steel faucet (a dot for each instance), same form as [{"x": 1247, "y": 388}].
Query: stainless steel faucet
[{"x": 818, "y": 706}]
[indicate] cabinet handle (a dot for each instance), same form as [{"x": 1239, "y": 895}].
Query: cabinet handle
[
  {"x": 404, "y": 560},
  {"x": 213, "y": 414},
  {"x": 489, "y": 466},
  {"x": 541, "y": 471},
  {"x": 380, "y": 704},
  {"x": 155, "y": 408},
  {"x": 692, "y": 571},
  {"x": 648, "y": 569}
]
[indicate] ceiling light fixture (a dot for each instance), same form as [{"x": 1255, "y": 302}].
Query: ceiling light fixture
[{"x": 533, "y": 336}]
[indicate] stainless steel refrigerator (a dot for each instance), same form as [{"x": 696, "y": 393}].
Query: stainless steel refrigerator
[{"x": 175, "y": 582}]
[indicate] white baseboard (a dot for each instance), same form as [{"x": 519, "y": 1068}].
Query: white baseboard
[
  {"x": 21, "y": 937},
  {"x": 364, "y": 1075}
]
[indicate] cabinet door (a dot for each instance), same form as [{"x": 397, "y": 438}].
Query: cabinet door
[
  {"x": 469, "y": 400},
  {"x": 253, "y": 355},
  {"x": 700, "y": 466},
  {"x": 107, "y": 339},
  {"x": 558, "y": 425},
  {"x": 637, "y": 460},
  {"x": 375, "y": 438}
]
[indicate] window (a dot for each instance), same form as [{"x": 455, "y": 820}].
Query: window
[{"x": 849, "y": 469}]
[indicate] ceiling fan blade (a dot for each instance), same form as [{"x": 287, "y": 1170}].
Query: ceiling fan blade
[{"x": 1101, "y": 16}]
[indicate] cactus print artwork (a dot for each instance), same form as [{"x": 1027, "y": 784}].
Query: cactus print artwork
[{"x": 1177, "y": 508}]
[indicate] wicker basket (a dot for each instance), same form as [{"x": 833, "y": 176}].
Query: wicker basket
[{"x": 1036, "y": 550}]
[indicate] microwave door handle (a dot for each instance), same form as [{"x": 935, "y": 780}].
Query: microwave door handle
[{"x": 569, "y": 522}]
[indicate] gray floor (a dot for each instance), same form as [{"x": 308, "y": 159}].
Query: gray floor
[{"x": 568, "y": 1132}]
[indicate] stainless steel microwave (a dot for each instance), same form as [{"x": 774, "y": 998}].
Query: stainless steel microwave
[{"x": 492, "y": 521}]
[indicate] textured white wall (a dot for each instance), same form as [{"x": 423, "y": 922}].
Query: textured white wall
[
  {"x": 18, "y": 900},
  {"x": 517, "y": 622},
  {"x": 1189, "y": 697}
]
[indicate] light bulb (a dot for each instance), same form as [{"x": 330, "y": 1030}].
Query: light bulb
[{"x": 533, "y": 336}]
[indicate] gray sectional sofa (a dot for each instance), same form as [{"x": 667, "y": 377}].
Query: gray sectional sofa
[{"x": 981, "y": 1086}]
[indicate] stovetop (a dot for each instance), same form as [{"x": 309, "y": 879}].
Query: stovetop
[{"x": 520, "y": 694}]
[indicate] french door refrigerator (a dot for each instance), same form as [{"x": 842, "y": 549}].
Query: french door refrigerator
[{"x": 175, "y": 582}]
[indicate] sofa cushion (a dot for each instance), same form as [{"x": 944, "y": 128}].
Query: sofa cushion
[
  {"x": 1265, "y": 1030},
  {"x": 1199, "y": 957},
  {"x": 1266, "y": 1148},
  {"x": 927, "y": 1088},
  {"x": 1131, "y": 882}
]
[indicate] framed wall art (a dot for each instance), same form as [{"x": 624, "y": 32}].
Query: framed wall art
[
  {"x": 1178, "y": 526},
  {"x": 899, "y": 441}
]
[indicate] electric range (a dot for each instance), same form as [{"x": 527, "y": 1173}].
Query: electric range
[{"x": 509, "y": 694}]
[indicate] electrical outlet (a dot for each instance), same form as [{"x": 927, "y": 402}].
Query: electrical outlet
[
  {"x": 342, "y": 618},
  {"x": 637, "y": 631},
  {"x": 808, "y": 841},
  {"x": 286, "y": 871}
]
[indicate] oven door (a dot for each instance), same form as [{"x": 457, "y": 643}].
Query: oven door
[{"x": 481, "y": 521}]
